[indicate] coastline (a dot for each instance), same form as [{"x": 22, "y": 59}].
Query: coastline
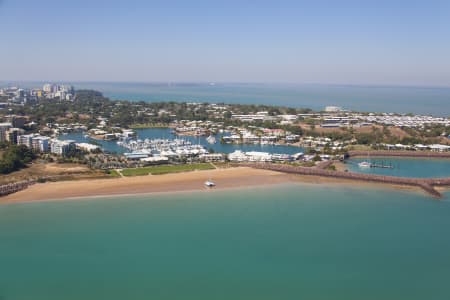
[
  {"x": 176, "y": 182},
  {"x": 230, "y": 178}
]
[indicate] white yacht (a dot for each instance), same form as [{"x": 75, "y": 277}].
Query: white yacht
[
  {"x": 364, "y": 164},
  {"x": 211, "y": 139}
]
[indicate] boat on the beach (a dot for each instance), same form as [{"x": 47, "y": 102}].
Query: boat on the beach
[{"x": 209, "y": 183}]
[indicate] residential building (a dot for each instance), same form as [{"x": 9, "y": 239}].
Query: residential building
[
  {"x": 26, "y": 139},
  {"x": 12, "y": 135},
  {"x": 3, "y": 129},
  {"x": 40, "y": 143},
  {"x": 62, "y": 147}
]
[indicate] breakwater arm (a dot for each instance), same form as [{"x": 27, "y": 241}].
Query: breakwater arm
[{"x": 426, "y": 184}]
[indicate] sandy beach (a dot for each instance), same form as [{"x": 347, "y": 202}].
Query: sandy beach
[{"x": 189, "y": 181}]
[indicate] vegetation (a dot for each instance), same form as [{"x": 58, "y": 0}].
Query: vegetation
[
  {"x": 15, "y": 158},
  {"x": 112, "y": 173},
  {"x": 331, "y": 168},
  {"x": 164, "y": 169},
  {"x": 88, "y": 105},
  {"x": 317, "y": 158}
]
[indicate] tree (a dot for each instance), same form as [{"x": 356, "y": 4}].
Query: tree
[
  {"x": 317, "y": 158},
  {"x": 227, "y": 115},
  {"x": 15, "y": 158}
]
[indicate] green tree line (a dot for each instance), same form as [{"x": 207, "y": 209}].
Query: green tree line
[{"x": 14, "y": 157}]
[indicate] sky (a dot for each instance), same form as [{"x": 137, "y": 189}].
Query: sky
[{"x": 395, "y": 42}]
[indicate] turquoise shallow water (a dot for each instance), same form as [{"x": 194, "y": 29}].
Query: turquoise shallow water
[
  {"x": 404, "y": 167},
  {"x": 282, "y": 242}
]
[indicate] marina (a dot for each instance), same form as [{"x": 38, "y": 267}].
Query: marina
[
  {"x": 162, "y": 147},
  {"x": 166, "y": 134}
]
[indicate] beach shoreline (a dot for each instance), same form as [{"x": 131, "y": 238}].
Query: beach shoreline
[
  {"x": 230, "y": 178},
  {"x": 176, "y": 182}
]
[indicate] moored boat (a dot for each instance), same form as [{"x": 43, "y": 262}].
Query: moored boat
[
  {"x": 364, "y": 164},
  {"x": 211, "y": 139}
]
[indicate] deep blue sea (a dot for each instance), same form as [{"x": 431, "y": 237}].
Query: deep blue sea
[
  {"x": 280, "y": 242},
  {"x": 417, "y": 100}
]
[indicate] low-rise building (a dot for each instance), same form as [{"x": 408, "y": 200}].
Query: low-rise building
[
  {"x": 87, "y": 147},
  {"x": 212, "y": 157}
]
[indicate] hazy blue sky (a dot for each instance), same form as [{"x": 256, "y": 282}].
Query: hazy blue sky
[{"x": 355, "y": 42}]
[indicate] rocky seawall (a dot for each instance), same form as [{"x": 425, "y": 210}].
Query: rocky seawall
[{"x": 426, "y": 184}]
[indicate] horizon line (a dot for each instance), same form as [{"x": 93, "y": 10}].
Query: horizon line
[{"x": 212, "y": 83}]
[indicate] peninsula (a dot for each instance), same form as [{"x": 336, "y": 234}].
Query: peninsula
[{"x": 59, "y": 142}]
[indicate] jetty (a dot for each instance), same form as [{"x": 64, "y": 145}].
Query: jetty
[
  {"x": 381, "y": 166},
  {"x": 427, "y": 184}
]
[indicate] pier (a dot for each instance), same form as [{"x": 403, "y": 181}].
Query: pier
[{"x": 381, "y": 166}]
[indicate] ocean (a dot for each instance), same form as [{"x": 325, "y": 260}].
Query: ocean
[
  {"x": 293, "y": 241},
  {"x": 417, "y": 100}
]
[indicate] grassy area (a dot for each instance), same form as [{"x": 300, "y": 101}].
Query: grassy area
[
  {"x": 360, "y": 148},
  {"x": 157, "y": 170},
  {"x": 222, "y": 165},
  {"x": 307, "y": 164},
  {"x": 113, "y": 173}
]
